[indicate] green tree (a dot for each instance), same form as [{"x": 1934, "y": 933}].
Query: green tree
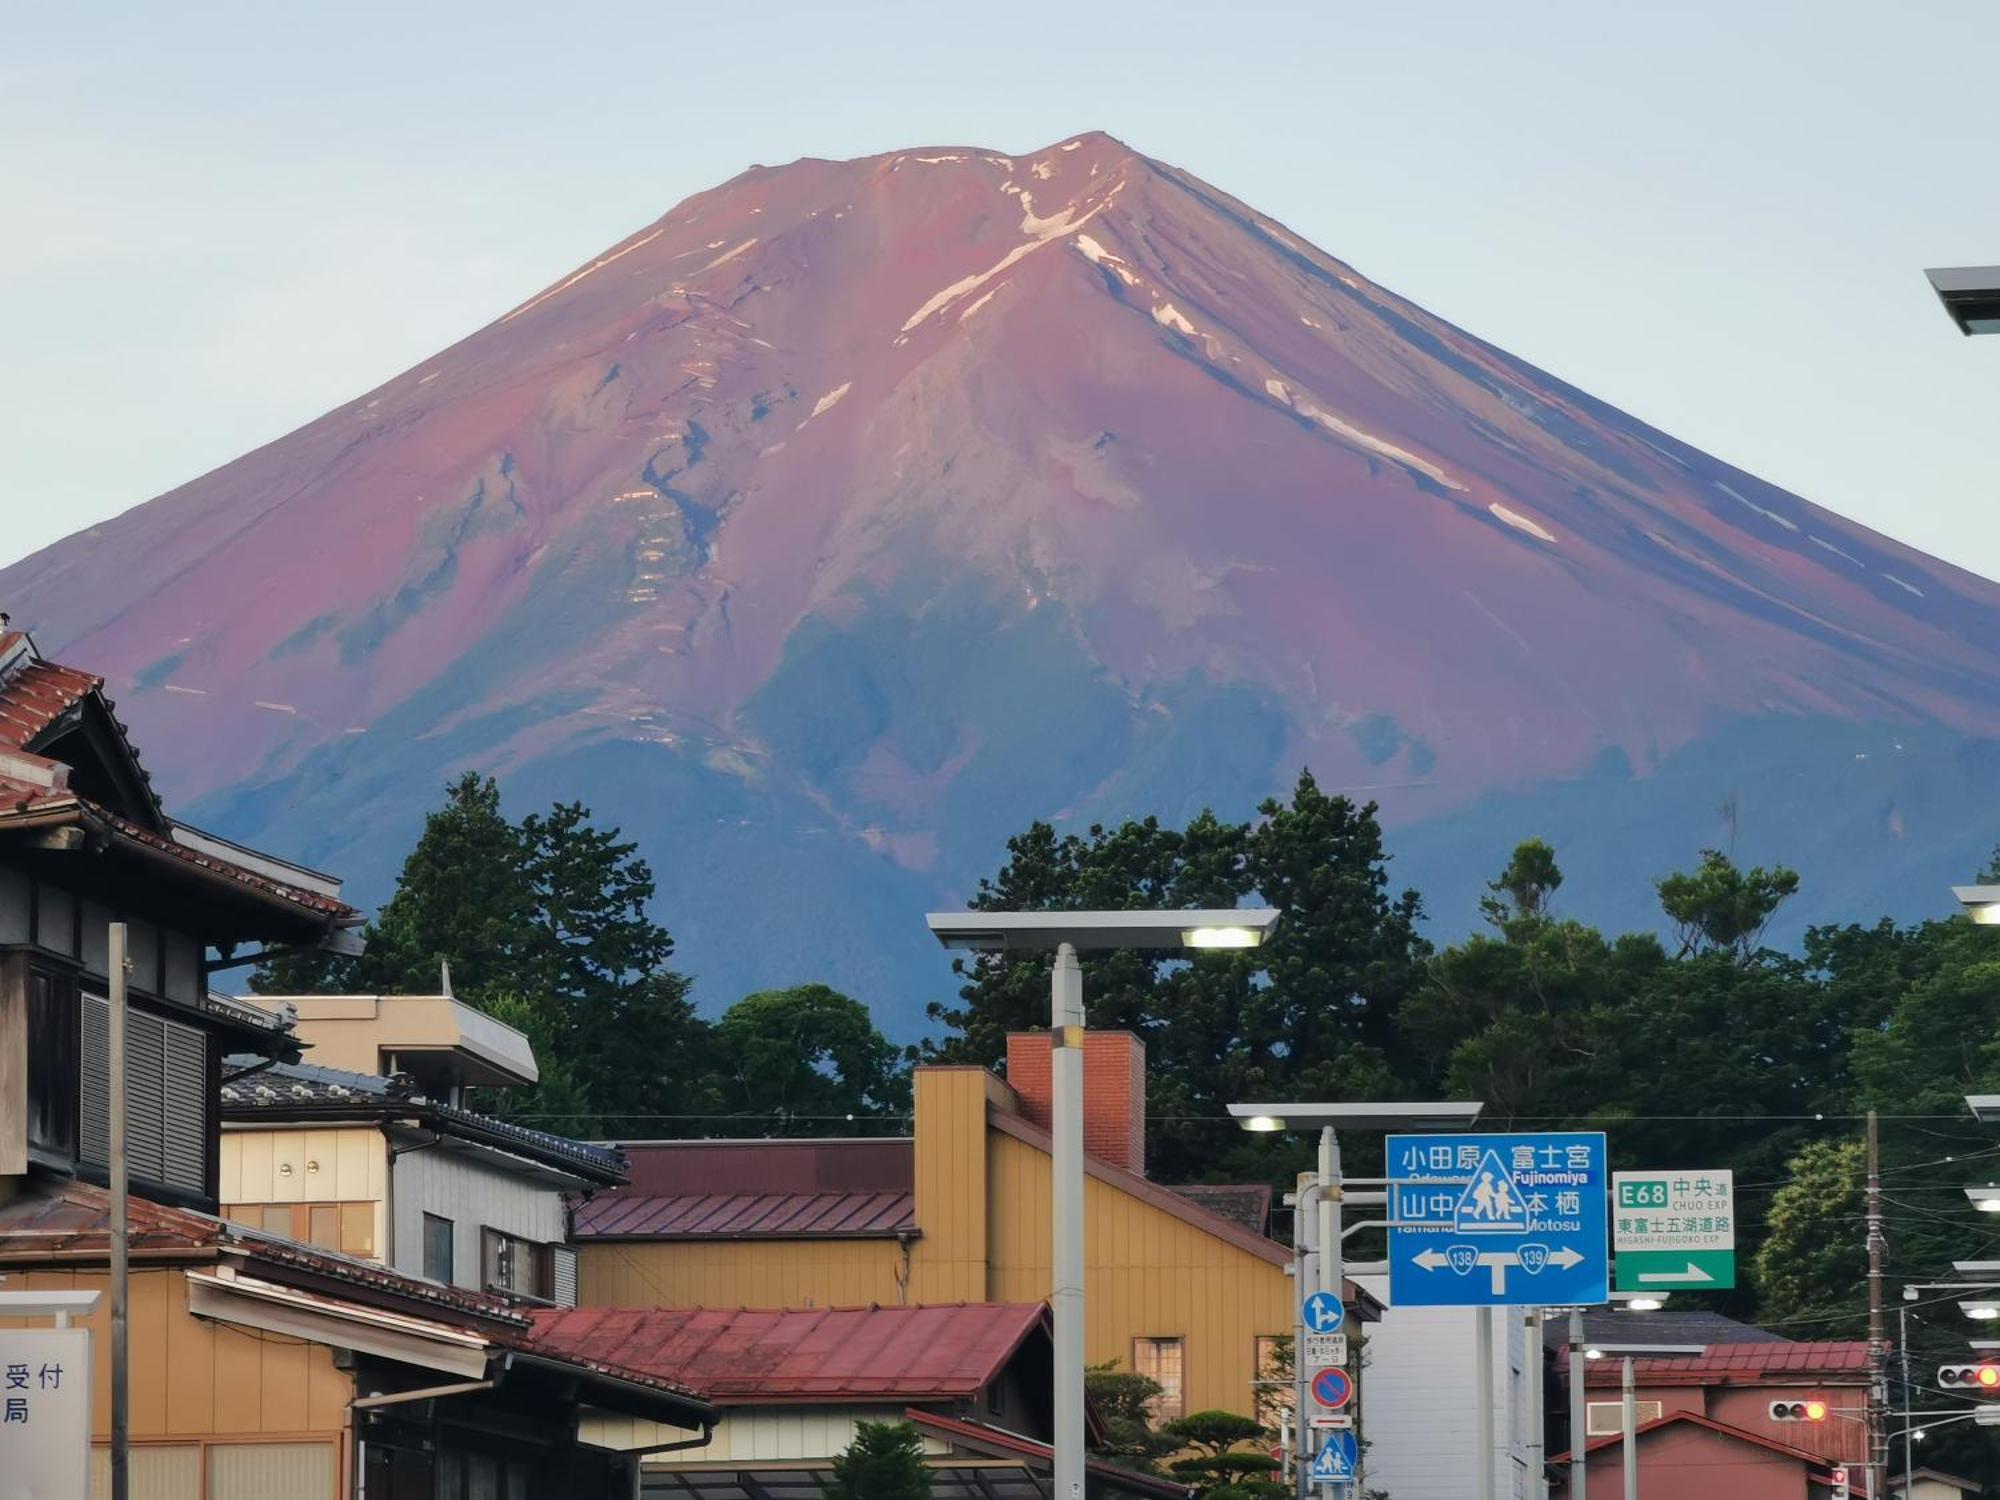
[
  {"x": 1311, "y": 1013},
  {"x": 544, "y": 922},
  {"x": 789, "y": 1061},
  {"x": 1219, "y": 1461},
  {"x": 884, "y": 1462},
  {"x": 1721, "y": 907},
  {"x": 1123, "y": 1401},
  {"x": 1523, "y": 890},
  {"x": 1812, "y": 1265},
  {"x": 462, "y": 898}
]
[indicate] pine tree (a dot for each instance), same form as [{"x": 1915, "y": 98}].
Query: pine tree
[{"x": 884, "y": 1462}]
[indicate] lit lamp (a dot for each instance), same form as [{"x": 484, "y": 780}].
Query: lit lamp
[
  {"x": 1981, "y": 903},
  {"x": 1985, "y": 1199},
  {"x": 1067, "y": 933},
  {"x": 1984, "y": 1309}
]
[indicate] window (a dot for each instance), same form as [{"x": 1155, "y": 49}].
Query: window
[
  {"x": 166, "y": 1097},
  {"x": 1272, "y": 1392},
  {"x": 1161, "y": 1361},
  {"x": 438, "y": 1258},
  {"x": 54, "y": 1064},
  {"x": 1607, "y": 1418},
  {"x": 256, "y": 1471},
  {"x": 346, "y": 1227},
  {"x": 508, "y": 1263}
]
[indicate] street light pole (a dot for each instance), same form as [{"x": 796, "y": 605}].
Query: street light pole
[
  {"x": 1628, "y": 1419},
  {"x": 1064, "y": 934},
  {"x": 1579, "y": 1410},
  {"x": 1066, "y": 1262}
]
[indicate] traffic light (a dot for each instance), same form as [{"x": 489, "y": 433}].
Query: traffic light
[
  {"x": 1984, "y": 1379},
  {"x": 1839, "y": 1482},
  {"x": 1798, "y": 1411}
]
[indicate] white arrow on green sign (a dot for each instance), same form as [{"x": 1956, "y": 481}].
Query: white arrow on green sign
[{"x": 1673, "y": 1231}]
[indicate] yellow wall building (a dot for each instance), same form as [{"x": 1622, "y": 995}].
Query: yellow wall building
[{"x": 957, "y": 1213}]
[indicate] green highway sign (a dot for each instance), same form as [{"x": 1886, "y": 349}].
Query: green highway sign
[
  {"x": 1673, "y": 1231},
  {"x": 1676, "y": 1270}
]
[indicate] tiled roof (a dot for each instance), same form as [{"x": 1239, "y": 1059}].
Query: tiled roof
[
  {"x": 37, "y": 692},
  {"x": 35, "y": 695},
  {"x": 1669, "y": 1325},
  {"x": 745, "y": 1216},
  {"x": 1843, "y": 1360},
  {"x": 740, "y": 1356},
  {"x": 303, "y": 1088},
  {"x": 75, "y": 1217},
  {"x": 1246, "y": 1204}
]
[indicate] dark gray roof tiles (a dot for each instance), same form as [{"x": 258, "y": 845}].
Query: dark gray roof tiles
[{"x": 310, "y": 1090}]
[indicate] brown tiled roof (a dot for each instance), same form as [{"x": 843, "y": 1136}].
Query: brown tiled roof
[
  {"x": 37, "y": 694},
  {"x": 741, "y": 1356}
]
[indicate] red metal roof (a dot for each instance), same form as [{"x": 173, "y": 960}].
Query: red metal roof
[
  {"x": 741, "y": 1357},
  {"x": 1846, "y": 1360},
  {"x": 626, "y": 1215}
]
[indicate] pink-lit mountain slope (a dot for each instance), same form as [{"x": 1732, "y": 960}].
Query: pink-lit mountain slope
[{"x": 836, "y": 524}]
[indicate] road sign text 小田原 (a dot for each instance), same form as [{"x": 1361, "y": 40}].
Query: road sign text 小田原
[{"x": 1497, "y": 1220}]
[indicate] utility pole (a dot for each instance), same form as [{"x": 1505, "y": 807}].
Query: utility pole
[
  {"x": 1482, "y": 1398},
  {"x": 1537, "y": 1422},
  {"x": 121, "y": 1404},
  {"x": 1909, "y": 1442},
  {"x": 1878, "y": 1348}
]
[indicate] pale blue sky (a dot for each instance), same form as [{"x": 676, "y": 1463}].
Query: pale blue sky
[{"x": 216, "y": 221}]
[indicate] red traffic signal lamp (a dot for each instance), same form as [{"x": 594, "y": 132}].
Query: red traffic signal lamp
[
  {"x": 1839, "y": 1477},
  {"x": 1983, "y": 1379},
  {"x": 1798, "y": 1411}
]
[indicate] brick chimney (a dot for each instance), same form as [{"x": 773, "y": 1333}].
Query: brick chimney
[{"x": 1114, "y": 1091}]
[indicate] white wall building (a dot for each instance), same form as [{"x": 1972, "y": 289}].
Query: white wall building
[
  {"x": 1418, "y": 1394},
  {"x": 376, "y": 1157}
]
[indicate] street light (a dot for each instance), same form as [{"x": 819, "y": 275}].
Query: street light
[
  {"x": 1628, "y": 1422},
  {"x": 1264, "y": 1119},
  {"x": 1981, "y": 903},
  {"x": 1986, "y": 1199},
  {"x": 1981, "y": 1309},
  {"x": 1067, "y": 933},
  {"x": 1971, "y": 296}
]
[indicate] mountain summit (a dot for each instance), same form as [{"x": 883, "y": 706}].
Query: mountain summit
[{"x": 833, "y": 526}]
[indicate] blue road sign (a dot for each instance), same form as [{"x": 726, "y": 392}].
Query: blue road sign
[
  {"x": 1497, "y": 1220},
  {"x": 1336, "y": 1459},
  {"x": 1322, "y": 1313},
  {"x": 1332, "y": 1388}
]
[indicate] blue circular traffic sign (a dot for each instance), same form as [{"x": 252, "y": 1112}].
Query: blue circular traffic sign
[
  {"x": 1333, "y": 1388},
  {"x": 1322, "y": 1313}
]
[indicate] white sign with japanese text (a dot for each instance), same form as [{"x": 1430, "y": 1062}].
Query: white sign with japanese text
[{"x": 45, "y": 1412}]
